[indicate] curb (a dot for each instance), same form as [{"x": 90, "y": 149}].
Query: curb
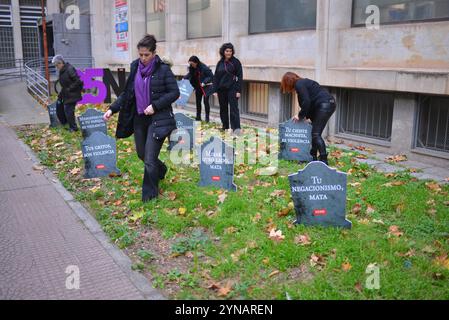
[{"x": 122, "y": 260}]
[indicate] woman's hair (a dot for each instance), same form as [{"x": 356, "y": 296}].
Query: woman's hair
[
  {"x": 225, "y": 47},
  {"x": 289, "y": 81},
  {"x": 149, "y": 42},
  {"x": 194, "y": 59}
]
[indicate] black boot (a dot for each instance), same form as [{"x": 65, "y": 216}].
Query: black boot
[
  {"x": 163, "y": 172},
  {"x": 314, "y": 155},
  {"x": 323, "y": 158}
]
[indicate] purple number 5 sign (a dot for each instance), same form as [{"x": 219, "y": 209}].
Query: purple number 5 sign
[{"x": 88, "y": 77}]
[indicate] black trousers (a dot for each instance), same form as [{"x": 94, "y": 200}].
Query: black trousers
[
  {"x": 199, "y": 106},
  {"x": 69, "y": 111},
  {"x": 320, "y": 117},
  {"x": 228, "y": 100},
  {"x": 148, "y": 150}
]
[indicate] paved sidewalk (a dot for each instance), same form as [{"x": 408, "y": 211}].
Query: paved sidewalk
[
  {"x": 17, "y": 107},
  {"x": 43, "y": 231}
]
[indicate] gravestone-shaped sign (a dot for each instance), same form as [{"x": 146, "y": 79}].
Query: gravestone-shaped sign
[
  {"x": 100, "y": 156},
  {"x": 186, "y": 90},
  {"x": 92, "y": 121},
  {"x": 217, "y": 165},
  {"x": 295, "y": 140},
  {"x": 185, "y": 134},
  {"x": 52, "y": 113},
  {"x": 319, "y": 195}
]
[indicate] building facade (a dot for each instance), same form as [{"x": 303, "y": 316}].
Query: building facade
[{"x": 391, "y": 82}]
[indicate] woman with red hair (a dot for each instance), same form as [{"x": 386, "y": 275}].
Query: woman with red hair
[{"x": 316, "y": 103}]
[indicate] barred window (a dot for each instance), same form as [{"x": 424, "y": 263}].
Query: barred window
[
  {"x": 365, "y": 113},
  {"x": 433, "y": 123}
]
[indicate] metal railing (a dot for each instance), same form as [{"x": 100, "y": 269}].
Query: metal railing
[{"x": 38, "y": 85}]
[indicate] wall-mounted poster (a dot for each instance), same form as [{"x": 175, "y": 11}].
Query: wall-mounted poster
[{"x": 121, "y": 48}]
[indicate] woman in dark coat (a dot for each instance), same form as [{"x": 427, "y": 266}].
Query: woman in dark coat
[
  {"x": 72, "y": 87},
  {"x": 228, "y": 81},
  {"x": 146, "y": 111},
  {"x": 201, "y": 78},
  {"x": 317, "y": 104}
]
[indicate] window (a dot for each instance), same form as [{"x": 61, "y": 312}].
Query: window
[
  {"x": 30, "y": 13},
  {"x": 285, "y": 15},
  {"x": 255, "y": 99},
  {"x": 6, "y": 35},
  {"x": 204, "y": 18},
  {"x": 156, "y": 18},
  {"x": 398, "y": 11},
  {"x": 366, "y": 113},
  {"x": 433, "y": 123}
]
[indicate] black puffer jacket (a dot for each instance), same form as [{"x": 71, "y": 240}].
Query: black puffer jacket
[
  {"x": 228, "y": 75},
  {"x": 164, "y": 92},
  {"x": 205, "y": 76},
  {"x": 71, "y": 85}
]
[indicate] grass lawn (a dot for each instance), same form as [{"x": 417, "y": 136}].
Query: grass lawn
[{"x": 203, "y": 243}]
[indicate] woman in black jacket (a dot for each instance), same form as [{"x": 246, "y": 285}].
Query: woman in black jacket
[
  {"x": 200, "y": 77},
  {"x": 146, "y": 110},
  {"x": 72, "y": 87},
  {"x": 228, "y": 81},
  {"x": 317, "y": 104}
]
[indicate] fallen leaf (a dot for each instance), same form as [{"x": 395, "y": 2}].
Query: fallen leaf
[
  {"x": 370, "y": 210},
  {"x": 303, "y": 240},
  {"x": 346, "y": 266},
  {"x": 276, "y": 235},
  {"x": 364, "y": 221},
  {"x": 357, "y": 208},
  {"x": 394, "y": 230},
  {"x": 222, "y": 197},
  {"x": 284, "y": 212},
  {"x": 75, "y": 171},
  {"x": 358, "y": 287},
  {"x": 397, "y": 158},
  {"x": 225, "y": 291},
  {"x": 136, "y": 216},
  {"x": 361, "y": 156},
  {"x": 230, "y": 230},
  {"x": 378, "y": 222},
  {"x": 442, "y": 261},
  {"x": 171, "y": 196},
  {"x": 317, "y": 261},
  {"x": 257, "y": 218},
  {"x": 271, "y": 225},
  {"x": 38, "y": 168},
  {"x": 429, "y": 249},
  {"x": 182, "y": 211},
  {"x": 278, "y": 194},
  {"x": 274, "y": 273},
  {"x": 432, "y": 186}
]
